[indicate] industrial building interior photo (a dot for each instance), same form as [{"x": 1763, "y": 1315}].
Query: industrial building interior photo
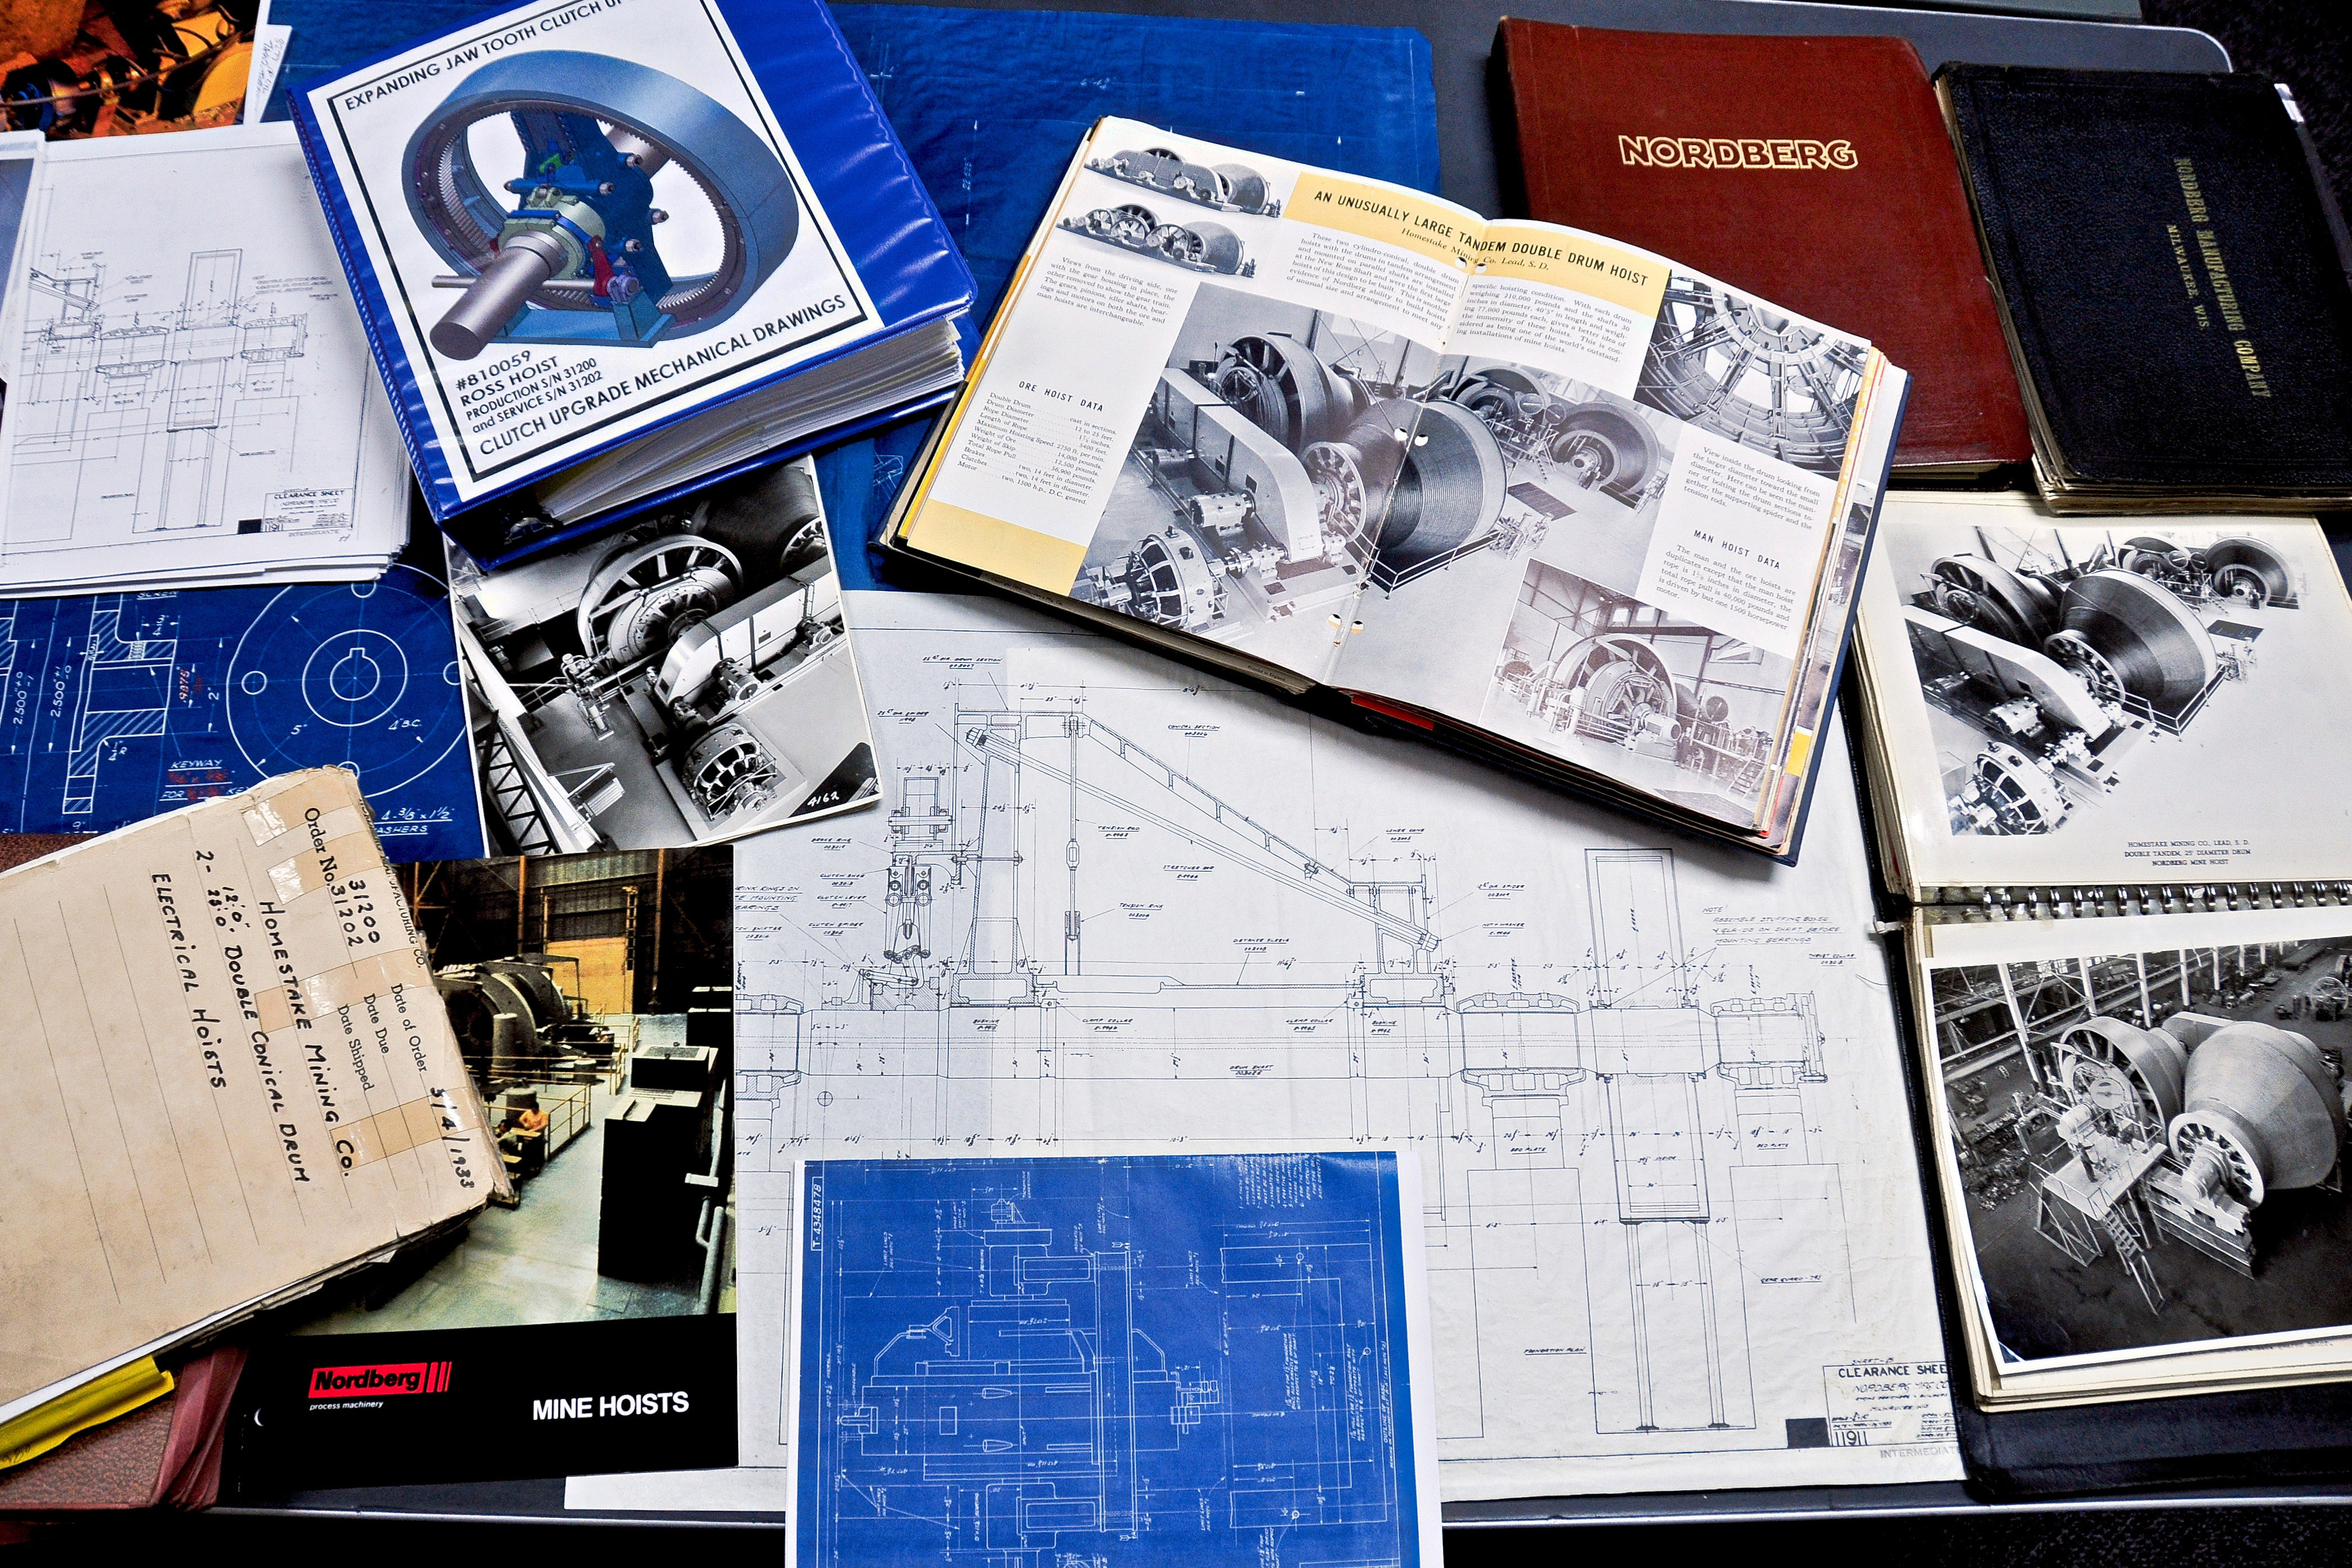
[
  {"x": 591, "y": 998},
  {"x": 2150, "y": 1142}
]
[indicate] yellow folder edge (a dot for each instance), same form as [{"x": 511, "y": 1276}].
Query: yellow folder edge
[{"x": 95, "y": 1402}]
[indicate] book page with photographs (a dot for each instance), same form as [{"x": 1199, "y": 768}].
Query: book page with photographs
[
  {"x": 1640, "y": 477},
  {"x": 2139, "y": 1122},
  {"x": 686, "y": 680},
  {"x": 2127, "y": 702}
]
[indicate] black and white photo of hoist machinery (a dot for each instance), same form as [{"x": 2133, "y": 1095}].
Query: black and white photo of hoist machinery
[
  {"x": 2066, "y": 668},
  {"x": 1581, "y": 660},
  {"x": 2160, "y": 1107},
  {"x": 1736, "y": 366},
  {"x": 1195, "y": 244},
  {"x": 684, "y": 681},
  {"x": 576, "y": 261},
  {"x": 1611, "y": 1120},
  {"x": 1289, "y": 456}
]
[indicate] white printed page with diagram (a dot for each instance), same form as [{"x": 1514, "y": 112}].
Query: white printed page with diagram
[
  {"x": 1196, "y": 406},
  {"x": 192, "y": 396},
  {"x": 1672, "y": 1213},
  {"x": 1623, "y": 488}
]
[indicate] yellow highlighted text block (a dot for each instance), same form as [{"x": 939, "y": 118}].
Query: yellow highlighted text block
[
  {"x": 1606, "y": 272},
  {"x": 1391, "y": 216}
]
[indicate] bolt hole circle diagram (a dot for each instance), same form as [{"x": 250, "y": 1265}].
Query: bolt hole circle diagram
[{"x": 356, "y": 703}]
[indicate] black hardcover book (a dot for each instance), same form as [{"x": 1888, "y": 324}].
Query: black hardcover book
[{"x": 2173, "y": 290}]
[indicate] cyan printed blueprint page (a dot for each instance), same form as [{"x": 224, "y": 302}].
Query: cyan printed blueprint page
[
  {"x": 1194, "y": 1359},
  {"x": 118, "y": 707}
]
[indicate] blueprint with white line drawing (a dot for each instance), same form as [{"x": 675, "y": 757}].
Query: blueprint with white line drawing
[
  {"x": 193, "y": 392},
  {"x": 1673, "y": 1216},
  {"x": 118, "y": 707},
  {"x": 1180, "y": 1360}
]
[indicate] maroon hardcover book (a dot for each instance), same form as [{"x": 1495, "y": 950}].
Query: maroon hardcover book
[{"x": 1816, "y": 171}]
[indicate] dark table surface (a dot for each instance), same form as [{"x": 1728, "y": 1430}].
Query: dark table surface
[{"x": 2308, "y": 45}]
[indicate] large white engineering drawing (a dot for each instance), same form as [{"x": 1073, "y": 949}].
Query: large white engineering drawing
[
  {"x": 189, "y": 399},
  {"x": 187, "y": 417},
  {"x": 1106, "y": 910}
]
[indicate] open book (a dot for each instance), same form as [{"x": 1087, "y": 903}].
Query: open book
[{"x": 1550, "y": 499}]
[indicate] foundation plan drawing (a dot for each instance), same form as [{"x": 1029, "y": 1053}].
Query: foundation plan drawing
[{"x": 1113, "y": 908}]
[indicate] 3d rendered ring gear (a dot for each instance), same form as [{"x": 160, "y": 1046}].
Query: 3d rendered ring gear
[
  {"x": 1736, "y": 367},
  {"x": 325, "y": 676}
]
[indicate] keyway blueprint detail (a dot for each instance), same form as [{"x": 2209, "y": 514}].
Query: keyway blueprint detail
[
  {"x": 1655, "y": 1091},
  {"x": 118, "y": 707},
  {"x": 1035, "y": 1363}
]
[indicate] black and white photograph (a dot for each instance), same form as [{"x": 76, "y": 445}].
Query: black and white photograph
[
  {"x": 2085, "y": 673},
  {"x": 686, "y": 680},
  {"x": 2148, "y": 1144},
  {"x": 1641, "y": 693},
  {"x": 591, "y": 995},
  {"x": 1740, "y": 369},
  {"x": 1257, "y": 489},
  {"x": 1167, "y": 204}
]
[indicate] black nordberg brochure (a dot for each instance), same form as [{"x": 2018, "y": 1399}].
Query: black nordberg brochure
[
  {"x": 607, "y": 248},
  {"x": 583, "y": 1323},
  {"x": 1562, "y": 504}
]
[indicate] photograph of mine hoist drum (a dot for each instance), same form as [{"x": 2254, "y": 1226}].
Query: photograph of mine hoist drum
[
  {"x": 592, "y": 997},
  {"x": 2103, "y": 1107}
]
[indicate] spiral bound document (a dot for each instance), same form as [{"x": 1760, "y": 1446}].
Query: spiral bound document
[
  {"x": 2106, "y": 760},
  {"x": 2131, "y": 717}
]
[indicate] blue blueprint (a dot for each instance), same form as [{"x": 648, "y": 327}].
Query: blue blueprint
[
  {"x": 119, "y": 706},
  {"x": 1145, "y": 1360}
]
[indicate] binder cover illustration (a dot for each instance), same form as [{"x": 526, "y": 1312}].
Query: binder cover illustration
[{"x": 571, "y": 224}]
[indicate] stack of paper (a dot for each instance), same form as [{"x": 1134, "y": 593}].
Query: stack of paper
[
  {"x": 190, "y": 400},
  {"x": 229, "y": 1077}
]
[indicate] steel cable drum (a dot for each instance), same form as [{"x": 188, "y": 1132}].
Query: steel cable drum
[
  {"x": 1284, "y": 388},
  {"x": 2157, "y": 648},
  {"x": 738, "y": 173},
  {"x": 2149, "y": 1063},
  {"x": 2250, "y": 570},
  {"x": 645, "y": 590},
  {"x": 1991, "y": 598},
  {"x": 1618, "y": 449},
  {"x": 536, "y": 986},
  {"x": 1450, "y": 488},
  {"x": 2262, "y": 1099},
  {"x": 491, "y": 1016},
  {"x": 1585, "y": 659}
]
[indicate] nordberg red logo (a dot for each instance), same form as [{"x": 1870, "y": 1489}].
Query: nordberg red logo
[{"x": 404, "y": 1377}]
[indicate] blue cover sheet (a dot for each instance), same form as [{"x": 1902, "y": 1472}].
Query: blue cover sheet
[
  {"x": 564, "y": 382},
  {"x": 991, "y": 105}
]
